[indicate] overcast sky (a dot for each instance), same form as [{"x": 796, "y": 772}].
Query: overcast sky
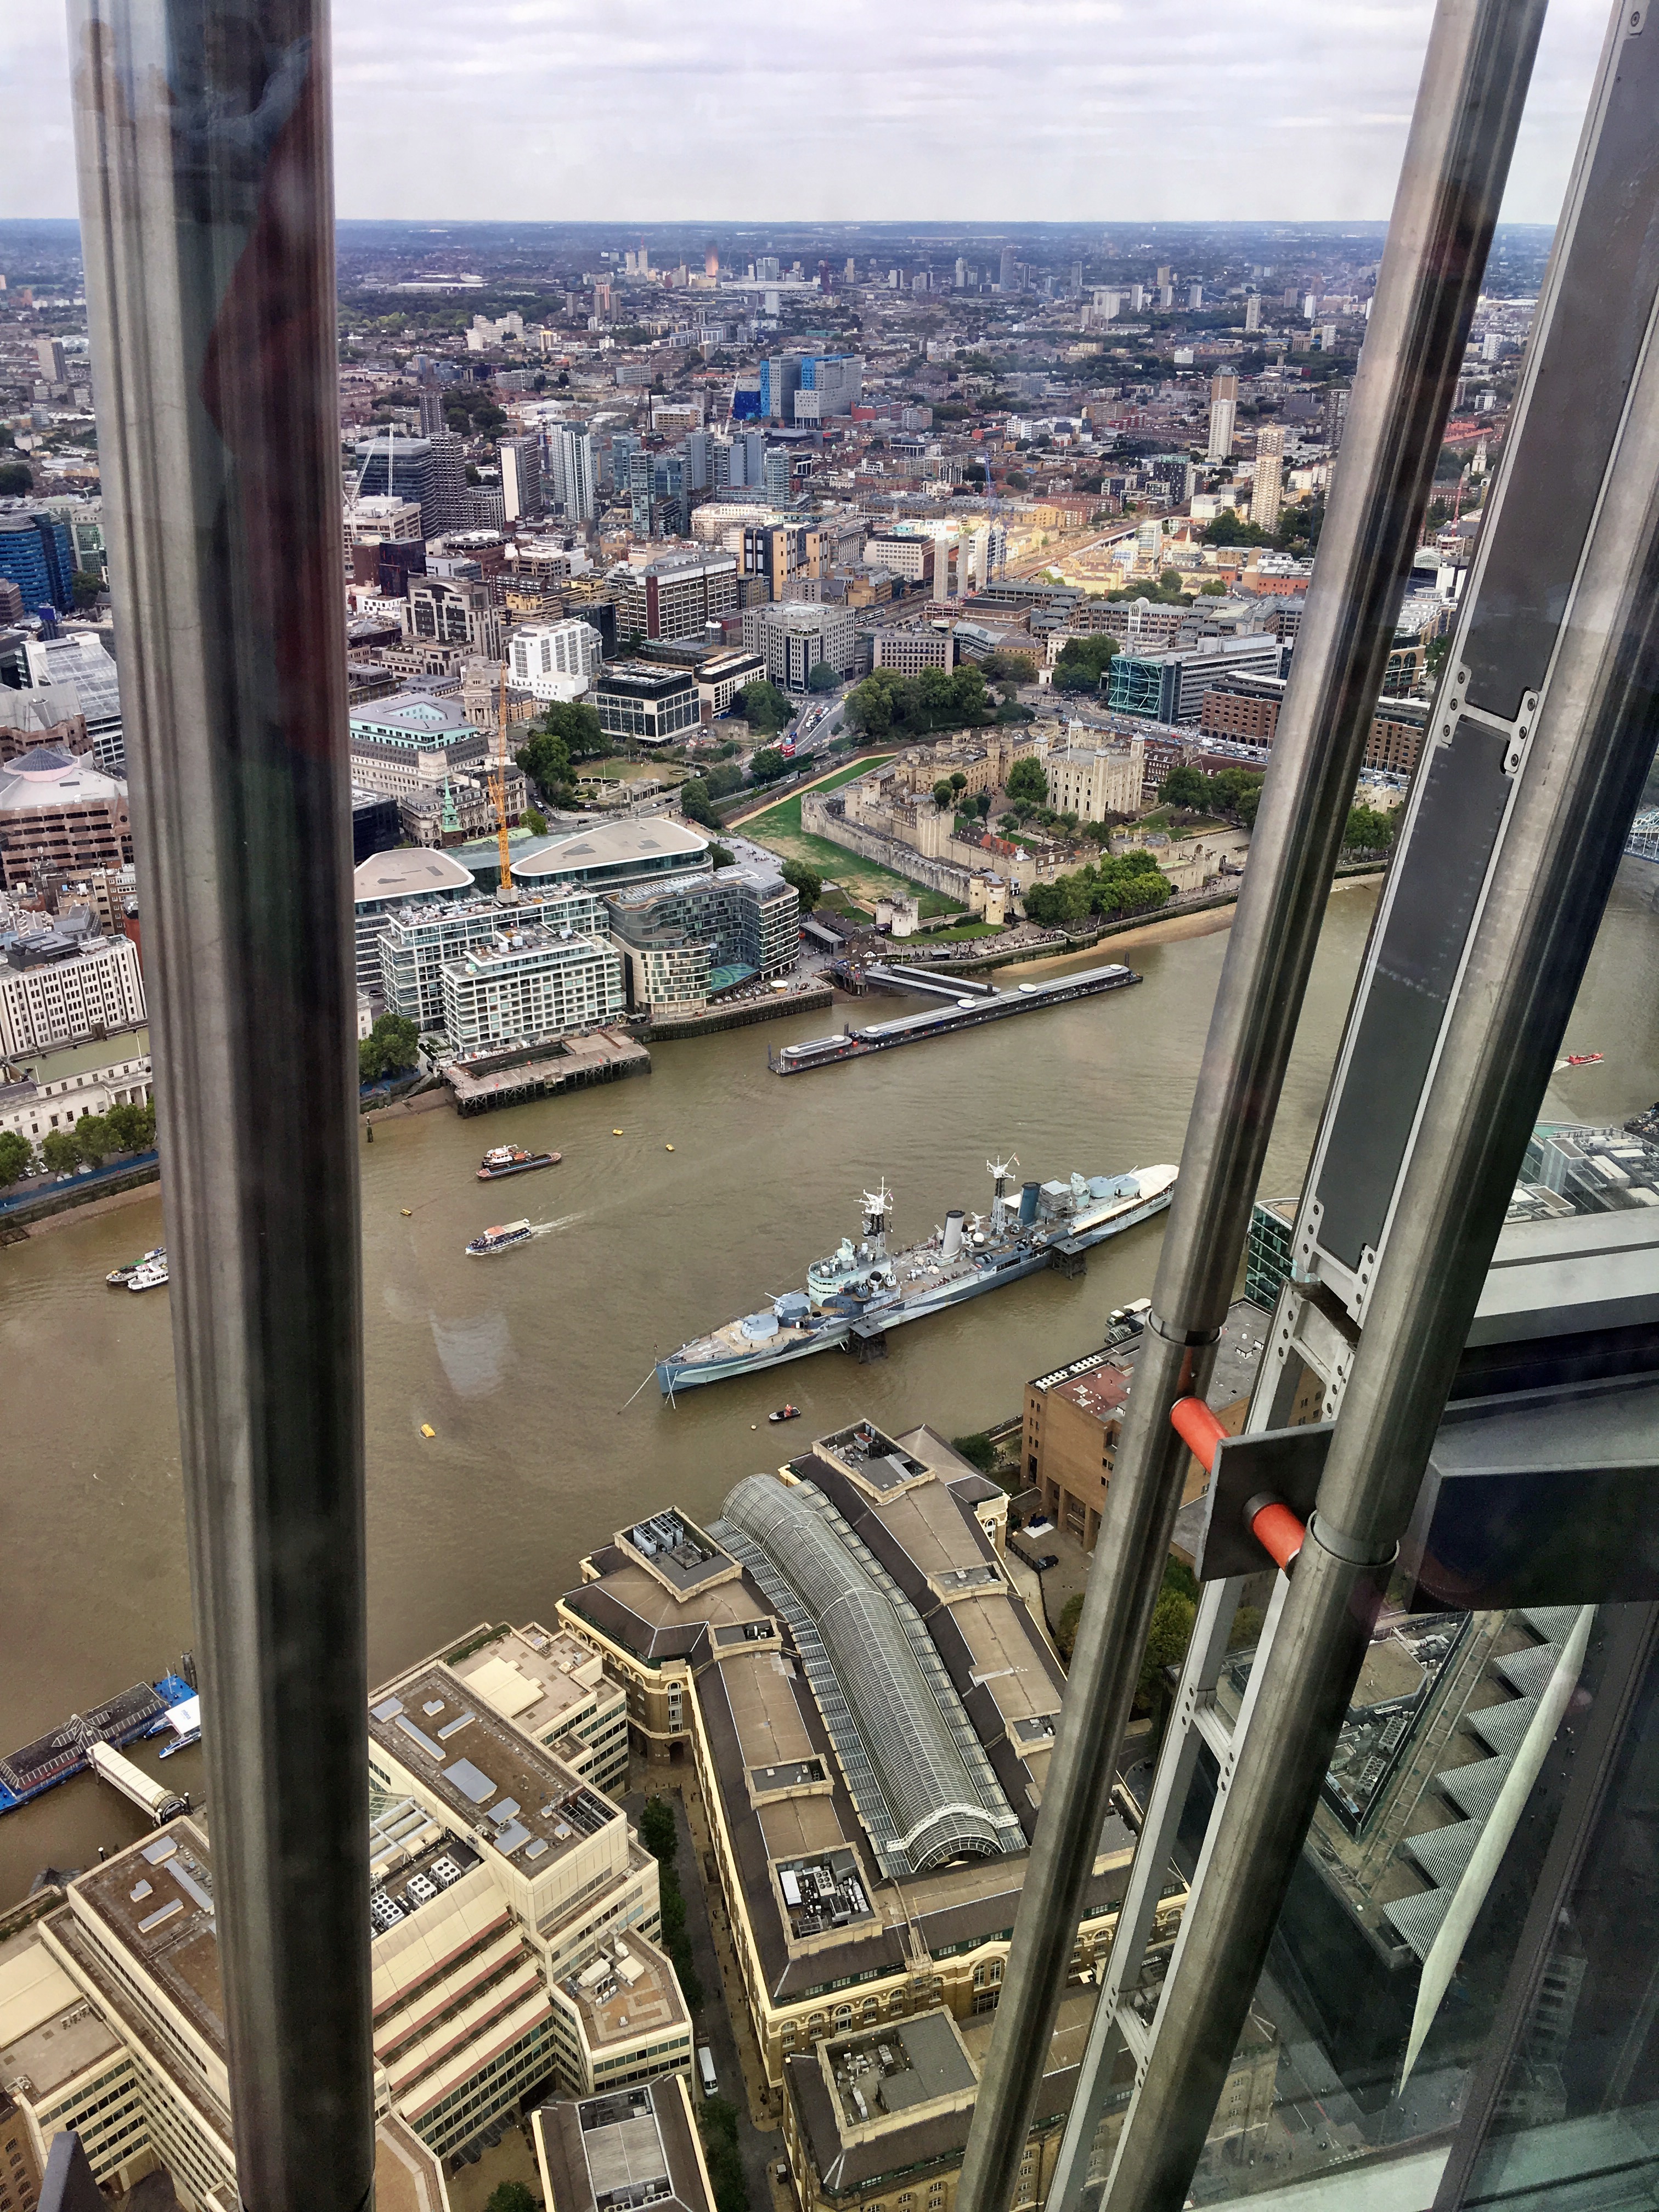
[{"x": 637, "y": 111}]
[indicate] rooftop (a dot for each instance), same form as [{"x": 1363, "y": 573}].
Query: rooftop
[
  {"x": 616, "y": 845},
  {"x": 532, "y": 1676},
  {"x": 616, "y": 2153},
  {"x": 407, "y": 873},
  {"x": 48, "y": 2033},
  {"x": 626, "y": 1990},
  {"x": 156, "y": 1902},
  {"x": 508, "y": 1795}
]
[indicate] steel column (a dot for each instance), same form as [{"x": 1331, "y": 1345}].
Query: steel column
[
  {"x": 202, "y": 138},
  {"x": 1457, "y": 156},
  {"x": 1576, "y": 754}
]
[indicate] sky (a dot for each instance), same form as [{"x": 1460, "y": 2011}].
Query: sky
[{"x": 974, "y": 112}]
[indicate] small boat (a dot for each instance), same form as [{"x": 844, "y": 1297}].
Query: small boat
[
  {"x": 513, "y": 1159},
  {"x": 117, "y": 1276},
  {"x": 784, "y": 1414},
  {"x": 1584, "y": 1058},
  {"x": 500, "y": 1239},
  {"x": 151, "y": 1278}
]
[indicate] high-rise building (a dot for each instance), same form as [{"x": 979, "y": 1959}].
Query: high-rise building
[
  {"x": 796, "y": 636},
  {"x": 677, "y": 596},
  {"x": 447, "y": 505},
  {"x": 393, "y": 467},
  {"x": 1253, "y": 312},
  {"x": 431, "y": 402},
  {"x": 570, "y": 469},
  {"x": 521, "y": 477},
  {"x": 1267, "y": 489},
  {"x": 1223, "y": 411},
  {"x": 1166, "y": 295},
  {"x": 1195, "y": 295},
  {"x": 38, "y": 553},
  {"x": 711, "y": 262},
  {"x": 1008, "y": 271},
  {"x": 777, "y": 475},
  {"x": 1165, "y": 274},
  {"x": 555, "y": 660},
  {"x": 49, "y": 352}
]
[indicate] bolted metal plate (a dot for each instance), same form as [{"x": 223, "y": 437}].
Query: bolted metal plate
[{"x": 1288, "y": 1463}]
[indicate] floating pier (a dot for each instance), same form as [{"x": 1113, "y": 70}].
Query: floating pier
[
  {"x": 966, "y": 1011},
  {"x": 145, "y": 1710}
]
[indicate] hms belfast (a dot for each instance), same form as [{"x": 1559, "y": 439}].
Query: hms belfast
[{"x": 864, "y": 1289}]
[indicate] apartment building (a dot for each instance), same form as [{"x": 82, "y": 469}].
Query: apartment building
[
  {"x": 677, "y": 596},
  {"x": 529, "y": 982},
  {"x": 415, "y": 939},
  {"x": 687, "y": 945},
  {"x": 555, "y": 660}
]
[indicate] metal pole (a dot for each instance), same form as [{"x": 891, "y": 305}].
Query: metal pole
[
  {"x": 1590, "y": 746},
  {"x": 1468, "y": 108},
  {"x": 202, "y": 138}
]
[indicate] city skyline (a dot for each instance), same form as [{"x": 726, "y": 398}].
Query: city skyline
[{"x": 1290, "y": 114}]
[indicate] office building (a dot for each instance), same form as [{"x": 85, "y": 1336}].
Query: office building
[
  {"x": 60, "y": 985},
  {"x": 691, "y": 943},
  {"x": 37, "y": 552},
  {"x": 1267, "y": 486},
  {"x": 829, "y": 385},
  {"x": 778, "y": 475},
  {"x": 677, "y": 596},
  {"x": 641, "y": 2141},
  {"x": 870, "y": 1819},
  {"x": 795, "y": 638},
  {"x": 609, "y": 857},
  {"x": 555, "y": 660},
  {"x": 1397, "y": 730},
  {"x": 1073, "y": 1415},
  {"x": 641, "y": 703},
  {"x": 523, "y": 984},
  {"x": 55, "y": 1087},
  {"x": 1223, "y": 410},
  {"x": 521, "y": 477},
  {"x": 1096, "y": 782},
  {"x": 570, "y": 469},
  {"x": 721, "y": 676},
  {"x": 412, "y": 740},
  {"x": 58, "y": 814},
  {"x": 1243, "y": 708},
  {"x": 411, "y": 940},
  {"x": 1170, "y": 687},
  {"x": 449, "y": 502},
  {"x": 911, "y": 647},
  {"x": 391, "y": 466},
  {"x": 378, "y": 520},
  {"x": 73, "y": 679},
  {"x": 407, "y": 882},
  {"x": 459, "y": 610}
]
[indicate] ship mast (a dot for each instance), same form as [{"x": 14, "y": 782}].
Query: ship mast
[
  {"x": 878, "y": 1205},
  {"x": 999, "y": 1170}
]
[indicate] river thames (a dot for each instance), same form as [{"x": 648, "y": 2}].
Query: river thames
[{"x": 528, "y": 1366}]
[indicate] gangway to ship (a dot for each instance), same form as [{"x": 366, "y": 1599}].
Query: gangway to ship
[{"x": 159, "y": 1804}]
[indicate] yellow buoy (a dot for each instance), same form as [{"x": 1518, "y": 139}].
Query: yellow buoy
[
  {"x": 407, "y": 1211},
  {"x": 668, "y": 1148},
  {"x": 427, "y": 1429},
  {"x": 615, "y": 1132}
]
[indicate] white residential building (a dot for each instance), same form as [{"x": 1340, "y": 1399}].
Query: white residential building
[
  {"x": 555, "y": 660},
  {"x": 570, "y": 469},
  {"x": 414, "y": 941},
  {"x": 523, "y": 984},
  {"x": 55, "y": 989}
]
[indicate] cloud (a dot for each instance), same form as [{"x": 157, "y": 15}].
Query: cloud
[{"x": 1081, "y": 110}]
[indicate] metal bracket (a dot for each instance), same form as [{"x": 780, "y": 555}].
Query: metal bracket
[{"x": 1286, "y": 1461}]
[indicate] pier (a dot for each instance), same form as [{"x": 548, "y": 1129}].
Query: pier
[
  {"x": 525, "y": 1072},
  {"x": 944, "y": 1021},
  {"x": 144, "y": 1710}
]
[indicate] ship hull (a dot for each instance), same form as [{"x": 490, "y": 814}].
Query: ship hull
[{"x": 673, "y": 1377}]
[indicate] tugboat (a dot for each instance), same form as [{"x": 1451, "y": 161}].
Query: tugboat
[
  {"x": 784, "y": 1414},
  {"x": 513, "y": 1159},
  {"x": 117, "y": 1277},
  {"x": 499, "y": 1239},
  {"x": 152, "y": 1276}
]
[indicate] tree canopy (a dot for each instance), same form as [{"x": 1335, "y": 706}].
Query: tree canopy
[
  {"x": 1130, "y": 884},
  {"x": 1233, "y": 792},
  {"x": 16, "y": 1157},
  {"x": 1083, "y": 661},
  {"x": 768, "y": 764},
  {"x": 389, "y": 1048},
  {"x": 763, "y": 706},
  {"x": 887, "y": 701},
  {"x": 1028, "y": 783},
  {"x": 809, "y": 885},
  {"x": 822, "y": 676},
  {"x": 1368, "y": 830}
]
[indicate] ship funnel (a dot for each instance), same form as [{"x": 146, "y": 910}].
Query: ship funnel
[
  {"x": 1029, "y": 1194},
  {"x": 952, "y": 1244}
]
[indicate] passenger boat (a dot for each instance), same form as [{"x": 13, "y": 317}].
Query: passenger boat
[
  {"x": 500, "y": 1239},
  {"x": 152, "y": 1276},
  {"x": 118, "y": 1276},
  {"x": 513, "y": 1159}
]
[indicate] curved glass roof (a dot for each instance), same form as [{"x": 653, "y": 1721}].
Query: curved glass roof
[{"x": 937, "y": 1809}]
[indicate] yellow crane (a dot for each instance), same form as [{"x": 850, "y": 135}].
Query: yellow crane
[{"x": 498, "y": 782}]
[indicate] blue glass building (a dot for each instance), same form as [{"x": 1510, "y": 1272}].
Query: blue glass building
[{"x": 38, "y": 553}]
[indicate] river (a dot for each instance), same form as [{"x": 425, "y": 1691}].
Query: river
[{"x": 527, "y": 1366}]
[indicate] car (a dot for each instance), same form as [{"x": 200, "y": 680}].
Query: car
[{"x": 1048, "y": 1559}]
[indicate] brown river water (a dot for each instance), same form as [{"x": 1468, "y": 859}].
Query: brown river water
[{"x": 527, "y": 1365}]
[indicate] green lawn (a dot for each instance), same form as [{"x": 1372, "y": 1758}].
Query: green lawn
[
  {"x": 618, "y": 769},
  {"x": 779, "y": 830},
  {"x": 786, "y": 814},
  {"x": 962, "y": 931}
]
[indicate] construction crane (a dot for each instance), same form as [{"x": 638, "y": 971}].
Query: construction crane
[{"x": 505, "y": 891}]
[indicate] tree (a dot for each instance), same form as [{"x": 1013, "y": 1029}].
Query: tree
[
  {"x": 693, "y": 796},
  {"x": 131, "y": 1129},
  {"x": 535, "y": 821},
  {"x": 510, "y": 2197},
  {"x": 822, "y": 676},
  {"x": 977, "y": 1449},
  {"x": 717, "y": 2123},
  {"x": 1368, "y": 832},
  {"x": 658, "y": 1831},
  {"x": 1066, "y": 1627},
  {"x": 1183, "y": 786},
  {"x": 579, "y": 726},
  {"x": 942, "y": 794},
  {"x": 59, "y": 1151},
  {"x": 809, "y": 886},
  {"x": 92, "y": 1140},
  {"x": 391, "y": 1048},
  {"x": 16, "y": 1157},
  {"x": 1083, "y": 661},
  {"x": 763, "y": 705},
  {"x": 17, "y": 479},
  {"x": 958, "y": 780},
  {"x": 1166, "y": 1647},
  {"x": 1027, "y": 781},
  {"x": 720, "y": 856},
  {"x": 768, "y": 764}
]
